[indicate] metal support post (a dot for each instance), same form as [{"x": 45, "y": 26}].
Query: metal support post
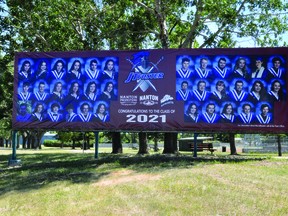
[
  {"x": 13, "y": 160},
  {"x": 195, "y": 144},
  {"x": 96, "y": 133}
]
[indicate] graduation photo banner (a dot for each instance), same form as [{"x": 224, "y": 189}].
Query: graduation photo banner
[{"x": 203, "y": 90}]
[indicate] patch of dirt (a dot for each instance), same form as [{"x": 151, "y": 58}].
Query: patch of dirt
[
  {"x": 3, "y": 210},
  {"x": 125, "y": 176}
]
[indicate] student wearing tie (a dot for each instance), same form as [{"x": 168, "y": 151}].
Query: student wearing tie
[{"x": 54, "y": 115}]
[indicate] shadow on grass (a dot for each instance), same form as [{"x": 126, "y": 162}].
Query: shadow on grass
[{"x": 40, "y": 170}]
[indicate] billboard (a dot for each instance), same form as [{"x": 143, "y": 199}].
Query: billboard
[{"x": 204, "y": 90}]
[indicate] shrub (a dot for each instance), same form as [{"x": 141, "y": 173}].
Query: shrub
[{"x": 57, "y": 143}]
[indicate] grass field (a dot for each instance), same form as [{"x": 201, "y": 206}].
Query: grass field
[{"x": 66, "y": 182}]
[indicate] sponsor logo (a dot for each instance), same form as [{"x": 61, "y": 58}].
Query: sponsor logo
[
  {"x": 128, "y": 100},
  {"x": 143, "y": 71},
  {"x": 148, "y": 100},
  {"x": 167, "y": 99}
]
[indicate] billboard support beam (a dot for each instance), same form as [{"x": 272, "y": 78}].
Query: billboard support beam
[
  {"x": 96, "y": 155},
  {"x": 195, "y": 145},
  {"x": 13, "y": 160}
]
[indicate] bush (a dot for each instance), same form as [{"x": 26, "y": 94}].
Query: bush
[{"x": 57, "y": 143}]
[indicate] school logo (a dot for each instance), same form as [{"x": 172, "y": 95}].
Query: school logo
[{"x": 143, "y": 71}]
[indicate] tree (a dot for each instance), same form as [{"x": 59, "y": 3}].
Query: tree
[
  {"x": 55, "y": 25},
  {"x": 143, "y": 146},
  {"x": 76, "y": 137},
  {"x": 155, "y": 136},
  {"x": 25, "y": 135},
  {"x": 116, "y": 143},
  {"x": 170, "y": 143},
  {"x": 233, "y": 150},
  {"x": 206, "y": 23},
  {"x": 64, "y": 136},
  {"x": 6, "y": 89}
]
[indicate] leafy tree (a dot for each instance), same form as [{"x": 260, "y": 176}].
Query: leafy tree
[
  {"x": 6, "y": 89},
  {"x": 76, "y": 137},
  {"x": 55, "y": 25},
  {"x": 207, "y": 23},
  {"x": 105, "y": 136},
  {"x": 64, "y": 137},
  {"x": 155, "y": 137}
]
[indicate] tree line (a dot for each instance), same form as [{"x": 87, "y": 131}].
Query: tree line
[{"x": 130, "y": 24}]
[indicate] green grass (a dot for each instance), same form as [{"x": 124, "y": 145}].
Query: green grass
[{"x": 66, "y": 182}]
